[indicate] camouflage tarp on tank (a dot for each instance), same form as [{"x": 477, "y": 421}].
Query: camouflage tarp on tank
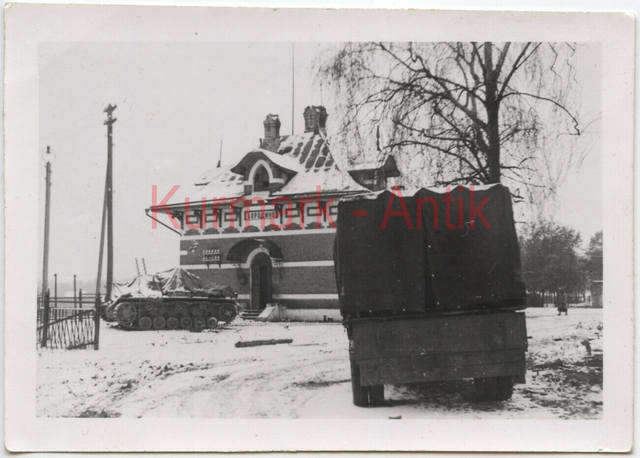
[
  {"x": 180, "y": 281},
  {"x": 141, "y": 286},
  {"x": 172, "y": 282}
]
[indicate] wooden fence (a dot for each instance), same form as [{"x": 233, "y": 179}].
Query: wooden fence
[
  {"x": 67, "y": 322},
  {"x": 535, "y": 299}
]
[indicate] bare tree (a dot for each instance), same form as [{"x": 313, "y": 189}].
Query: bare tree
[{"x": 467, "y": 112}]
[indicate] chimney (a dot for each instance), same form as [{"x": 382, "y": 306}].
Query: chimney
[
  {"x": 271, "y": 139},
  {"x": 315, "y": 119}
]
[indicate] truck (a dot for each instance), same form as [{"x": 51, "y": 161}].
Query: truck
[{"x": 430, "y": 289}]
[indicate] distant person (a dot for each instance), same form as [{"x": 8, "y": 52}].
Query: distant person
[{"x": 561, "y": 302}]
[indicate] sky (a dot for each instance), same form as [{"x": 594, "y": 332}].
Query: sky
[{"x": 176, "y": 102}]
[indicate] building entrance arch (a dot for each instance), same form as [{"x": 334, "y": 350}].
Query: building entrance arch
[{"x": 261, "y": 286}]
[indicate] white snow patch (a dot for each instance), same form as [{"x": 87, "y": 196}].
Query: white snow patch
[{"x": 183, "y": 374}]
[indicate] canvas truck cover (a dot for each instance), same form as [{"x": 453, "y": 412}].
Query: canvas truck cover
[
  {"x": 430, "y": 251},
  {"x": 472, "y": 253},
  {"x": 378, "y": 270}
]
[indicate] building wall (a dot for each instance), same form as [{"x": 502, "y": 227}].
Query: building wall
[
  {"x": 303, "y": 279},
  {"x": 255, "y": 213}
]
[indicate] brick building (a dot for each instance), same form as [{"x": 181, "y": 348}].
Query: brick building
[{"x": 265, "y": 226}]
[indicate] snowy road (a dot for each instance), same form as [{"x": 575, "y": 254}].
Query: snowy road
[{"x": 178, "y": 373}]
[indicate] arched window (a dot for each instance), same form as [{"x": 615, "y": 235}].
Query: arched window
[{"x": 261, "y": 180}]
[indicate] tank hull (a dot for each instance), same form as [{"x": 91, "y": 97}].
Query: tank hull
[{"x": 192, "y": 313}]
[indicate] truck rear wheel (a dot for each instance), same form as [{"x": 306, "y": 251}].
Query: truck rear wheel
[
  {"x": 493, "y": 388},
  {"x": 504, "y": 387},
  {"x": 360, "y": 393},
  {"x": 376, "y": 395},
  {"x": 364, "y": 396}
]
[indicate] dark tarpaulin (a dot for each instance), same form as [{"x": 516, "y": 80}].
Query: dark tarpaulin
[
  {"x": 378, "y": 270},
  {"x": 428, "y": 258},
  {"x": 472, "y": 262}
]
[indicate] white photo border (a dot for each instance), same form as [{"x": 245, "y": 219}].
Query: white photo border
[{"x": 27, "y": 25}]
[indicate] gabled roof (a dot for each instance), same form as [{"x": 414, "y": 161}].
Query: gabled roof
[
  {"x": 215, "y": 184},
  {"x": 306, "y": 156},
  {"x": 282, "y": 161},
  {"x": 310, "y": 149},
  {"x": 328, "y": 181},
  {"x": 385, "y": 162}
]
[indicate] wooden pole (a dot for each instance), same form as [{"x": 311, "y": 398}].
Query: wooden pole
[
  {"x": 55, "y": 290},
  {"x": 45, "y": 319},
  {"x": 109, "y": 123},
  {"x": 47, "y": 205},
  {"x": 80, "y": 297},
  {"x": 293, "y": 87},
  {"x": 75, "y": 295},
  {"x": 99, "y": 276}
]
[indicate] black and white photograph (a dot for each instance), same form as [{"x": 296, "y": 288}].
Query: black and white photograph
[{"x": 318, "y": 226}]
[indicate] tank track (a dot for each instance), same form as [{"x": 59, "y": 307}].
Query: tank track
[{"x": 170, "y": 313}]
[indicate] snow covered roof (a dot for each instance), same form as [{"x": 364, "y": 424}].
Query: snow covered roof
[
  {"x": 311, "y": 150},
  {"x": 305, "y": 156},
  {"x": 218, "y": 183},
  {"x": 280, "y": 160},
  {"x": 384, "y": 162},
  {"x": 329, "y": 180}
]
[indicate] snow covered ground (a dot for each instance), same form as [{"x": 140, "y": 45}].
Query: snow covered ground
[{"x": 179, "y": 373}]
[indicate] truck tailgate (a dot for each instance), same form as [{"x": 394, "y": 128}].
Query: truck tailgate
[{"x": 395, "y": 351}]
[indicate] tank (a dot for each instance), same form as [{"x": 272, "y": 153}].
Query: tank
[{"x": 173, "y": 299}]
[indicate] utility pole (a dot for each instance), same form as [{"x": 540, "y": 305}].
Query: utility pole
[
  {"x": 219, "y": 155},
  {"x": 99, "y": 276},
  {"x": 47, "y": 205},
  {"x": 55, "y": 290},
  {"x": 293, "y": 87},
  {"x": 107, "y": 218},
  {"x": 109, "y": 123}
]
